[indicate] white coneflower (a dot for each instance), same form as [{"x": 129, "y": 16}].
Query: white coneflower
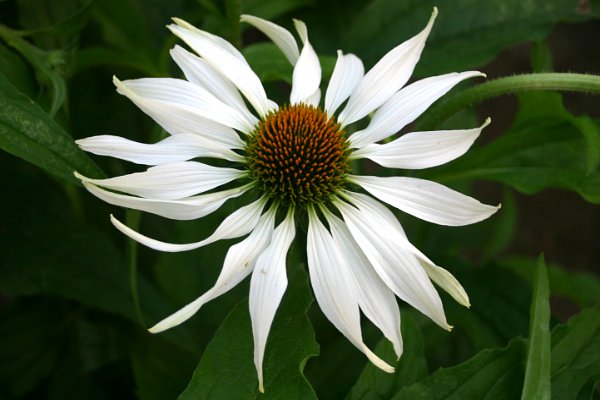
[{"x": 297, "y": 156}]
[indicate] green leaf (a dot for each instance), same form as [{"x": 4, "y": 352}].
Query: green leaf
[
  {"x": 542, "y": 150},
  {"x": 48, "y": 64},
  {"x": 48, "y": 250},
  {"x": 268, "y": 62},
  {"x": 466, "y": 33},
  {"x": 581, "y": 287},
  {"x": 374, "y": 384},
  {"x": 491, "y": 374},
  {"x": 226, "y": 370},
  {"x": 576, "y": 356},
  {"x": 537, "y": 370},
  {"x": 28, "y": 132}
]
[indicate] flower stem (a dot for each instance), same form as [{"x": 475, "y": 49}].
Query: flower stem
[
  {"x": 564, "y": 82},
  {"x": 132, "y": 218}
]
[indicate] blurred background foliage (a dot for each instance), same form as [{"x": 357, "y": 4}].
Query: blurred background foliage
[{"x": 69, "y": 325}]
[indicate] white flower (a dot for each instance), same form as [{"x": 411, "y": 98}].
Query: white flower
[{"x": 292, "y": 157}]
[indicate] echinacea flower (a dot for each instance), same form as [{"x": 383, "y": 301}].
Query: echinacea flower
[{"x": 297, "y": 157}]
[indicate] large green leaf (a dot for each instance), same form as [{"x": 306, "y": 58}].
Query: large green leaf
[
  {"x": 576, "y": 356},
  {"x": 28, "y": 132},
  {"x": 226, "y": 370},
  {"x": 467, "y": 33},
  {"x": 491, "y": 374},
  {"x": 546, "y": 148},
  {"x": 537, "y": 370},
  {"x": 375, "y": 384}
]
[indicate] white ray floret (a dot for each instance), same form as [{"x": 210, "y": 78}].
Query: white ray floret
[
  {"x": 426, "y": 200},
  {"x": 188, "y": 208},
  {"x": 237, "y": 224},
  {"x": 267, "y": 285},
  {"x": 334, "y": 286},
  {"x": 201, "y": 73},
  {"x": 417, "y": 150},
  {"x": 238, "y": 264},
  {"x": 406, "y": 105},
  {"x": 169, "y": 181},
  {"x": 375, "y": 299},
  {"x": 280, "y": 36},
  {"x": 182, "y": 147},
  {"x": 227, "y": 60},
  {"x": 386, "y": 77}
]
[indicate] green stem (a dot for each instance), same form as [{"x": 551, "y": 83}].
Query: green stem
[
  {"x": 564, "y": 82},
  {"x": 132, "y": 218}
]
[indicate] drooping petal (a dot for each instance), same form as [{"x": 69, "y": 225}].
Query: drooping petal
[
  {"x": 267, "y": 285},
  {"x": 386, "y": 77},
  {"x": 347, "y": 73},
  {"x": 237, "y": 224},
  {"x": 406, "y": 106},
  {"x": 448, "y": 282},
  {"x": 185, "y": 209},
  {"x": 226, "y": 59},
  {"x": 169, "y": 181},
  {"x": 426, "y": 200},
  {"x": 301, "y": 29},
  {"x": 239, "y": 263},
  {"x": 307, "y": 71},
  {"x": 388, "y": 223},
  {"x": 375, "y": 299},
  {"x": 282, "y": 38},
  {"x": 186, "y": 96},
  {"x": 182, "y": 147},
  {"x": 418, "y": 150},
  {"x": 201, "y": 73},
  {"x": 397, "y": 267}
]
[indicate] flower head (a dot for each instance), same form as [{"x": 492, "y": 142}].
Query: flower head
[{"x": 297, "y": 156}]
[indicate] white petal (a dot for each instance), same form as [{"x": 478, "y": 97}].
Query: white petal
[
  {"x": 279, "y": 35},
  {"x": 426, "y": 200},
  {"x": 386, "y": 77},
  {"x": 170, "y": 181},
  {"x": 182, "y": 147},
  {"x": 235, "y": 225},
  {"x": 396, "y": 266},
  {"x": 307, "y": 75},
  {"x": 347, "y": 73},
  {"x": 184, "y": 95},
  {"x": 184, "y": 209},
  {"x": 179, "y": 120},
  {"x": 239, "y": 263},
  {"x": 406, "y": 105},
  {"x": 448, "y": 282},
  {"x": 314, "y": 99},
  {"x": 267, "y": 285},
  {"x": 416, "y": 150},
  {"x": 301, "y": 29},
  {"x": 201, "y": 73},
  {"x": 226, "y": 59},
  {"x": 375, "y": 299}
]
